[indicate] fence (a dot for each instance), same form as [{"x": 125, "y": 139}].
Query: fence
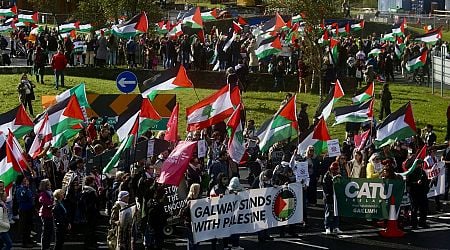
[{"x": 440, "y": 70}]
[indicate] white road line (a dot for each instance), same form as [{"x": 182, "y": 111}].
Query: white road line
[
  {"x": 344, "y": 236},
  {"x": 437, "y": 215},
  {"x": 444, "y": 217},
  {"x": 430, "y": 229},
  {"x": 302, "y": 244}
]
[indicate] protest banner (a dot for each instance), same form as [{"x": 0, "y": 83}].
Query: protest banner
[
  {"x": 436, "y": 175},
  {"x": 174, "y": 167},
  {"x": 246, "y": 212},
  {"x": 367, "y": 198}
]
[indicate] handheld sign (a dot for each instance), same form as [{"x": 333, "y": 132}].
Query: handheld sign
[
  {"x": 126, "y": 81},
  {"x": 333, "y": 148}
]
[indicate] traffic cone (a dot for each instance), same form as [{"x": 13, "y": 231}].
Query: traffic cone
[{"x": 392, "y": 230}]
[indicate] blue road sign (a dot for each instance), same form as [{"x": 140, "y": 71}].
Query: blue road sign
[{"x": 126, "y": 81}]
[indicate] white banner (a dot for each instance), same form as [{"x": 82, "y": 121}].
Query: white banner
[
  {"x": 246, "y": 212},
  {"x": 436, "y": 175},
  {"x": 333, "y": 148}
]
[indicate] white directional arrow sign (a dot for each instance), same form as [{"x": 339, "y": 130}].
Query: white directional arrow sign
[{"x": 123, "y": 81}]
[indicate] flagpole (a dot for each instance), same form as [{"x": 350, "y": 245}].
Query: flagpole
[{"x": 195, "y": 91}]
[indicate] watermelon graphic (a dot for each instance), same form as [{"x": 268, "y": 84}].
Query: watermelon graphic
[{"x": 285, "y": 204}]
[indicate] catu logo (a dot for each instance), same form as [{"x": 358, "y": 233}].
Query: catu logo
[{"x": 368, "y": 190}]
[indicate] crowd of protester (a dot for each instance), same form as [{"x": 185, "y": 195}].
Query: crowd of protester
[{"x": 68, "y": 198}]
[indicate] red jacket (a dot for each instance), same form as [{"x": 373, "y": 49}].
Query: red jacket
[
  {"x": 46, "y": 202},
  {"x": 59, "y": 61}
]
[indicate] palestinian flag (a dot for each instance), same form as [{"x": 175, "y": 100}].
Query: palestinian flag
[
  {"x": 374, "y": 52},
  {"x": 236, "y": 144},
  {"x": 170, "y": 79},
  {"x": 213, "y": 109},
  {"x": 17, "y": 120},
  {"x": 334, "y": 52},
  {"x": 396, "y": 126},
  {"x": 34, "y": 33},
  {"x": 85, "y": 28},
  {"x": 6, "y": 29},
  {"x": 419, "y": 158},
  {"x": 274, "y": 24},
  {"x": 399, "y": 31},
  {"x": 354, "y": 113},
  {"x": 282, "y": 126},
  {"x": 357, "y": 26},
  {"x": 316, "y": 137},
  {"x": 326, "y": 106},
  {"x": 338, "y": 91},
  {"x": 127, "y": 143},
  {"x": 430, "y": 37},
  {"x": 417, "y": 61},
  {"x": 297, "y": 19},
  {"x": 68, "y": 27},
  {"x": 388, "y": 37},
  {"x": 34, "y": 18},
  {"x": 64, "y": 119},
  {"x": 209, "y": 15},
  {"x": 106, "y": 31},
  {"x": 341, "y": 31},
  {"x": 10, "y": 11},
  {"x": 136, "y": 25},
  {"x": 399, "y": 48},
  {"x": 268, "y": 47},
  {"x": 147, "y": 117},
  {"x": 176, "y": 31},
  {"x": 193, "y": 18},
  {"x": 72, "y": 34},
  {"x": 12, "y": 160},
  {"x": 284, "y": 205},
  {"x": 79, "y": 91},
  {"x": 43, "y": 137},
  {"x": 162, "y": 27},
  {"x": 364, "y": 94}
]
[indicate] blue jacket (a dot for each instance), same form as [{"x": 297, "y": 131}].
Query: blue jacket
[{"x": 24, "y": 198}]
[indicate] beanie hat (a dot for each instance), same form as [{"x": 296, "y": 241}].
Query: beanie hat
[{"x": 122, "y": 194}]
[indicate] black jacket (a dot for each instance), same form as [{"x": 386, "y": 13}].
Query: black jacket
[
  {"x": 60, "y": 216},
  {"x": 328, "y": 188}
]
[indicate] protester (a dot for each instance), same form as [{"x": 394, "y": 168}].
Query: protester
[
  {"x": 194, "y": 194},
  {"x": 386, "y": 97},
  {"x": 4, "y": 223},
  {"x": 25, "y": 202},
  {"x": 45, "y": 212},
  {"x": 39, "y": 64},
  {"x": 61, "y": 219},
  {"x": 26, "y": 92},
  {"x": 418, "y": 186},
  {"x": 331, "y": 221},
  {"x": 59, "y": 63}
]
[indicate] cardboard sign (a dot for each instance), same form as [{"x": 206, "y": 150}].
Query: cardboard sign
[{"x": 333, "y": 148}]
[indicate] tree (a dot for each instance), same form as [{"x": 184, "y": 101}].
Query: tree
[
  {"x": 103, "y": 12},
  {"x": 313, "y": 12}
]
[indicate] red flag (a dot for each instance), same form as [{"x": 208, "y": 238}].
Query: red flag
[
  {"x": 175, "y": 165},
  {"x": 347, "y": 28},
  {"x": 172, "y": 125},
  {"x": 361, "y": 139},
  {"x": 242, "y": 21}
]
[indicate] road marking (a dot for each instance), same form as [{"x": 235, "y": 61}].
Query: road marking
[
  {"x": 430, "y": 229},
  {"x": 302, "y": 244},
  {"x": 344, "y": 236},
  {"x": 437, "y": 215},
  {"x": 444, "y": 217}
]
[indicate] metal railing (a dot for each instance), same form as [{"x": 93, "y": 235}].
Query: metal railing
[{"x": 440, "y": 69}]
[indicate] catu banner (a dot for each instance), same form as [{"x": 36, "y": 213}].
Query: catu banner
[
  {"x": 246, "y": 212},
  {"x": 367, "y": 198}
]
